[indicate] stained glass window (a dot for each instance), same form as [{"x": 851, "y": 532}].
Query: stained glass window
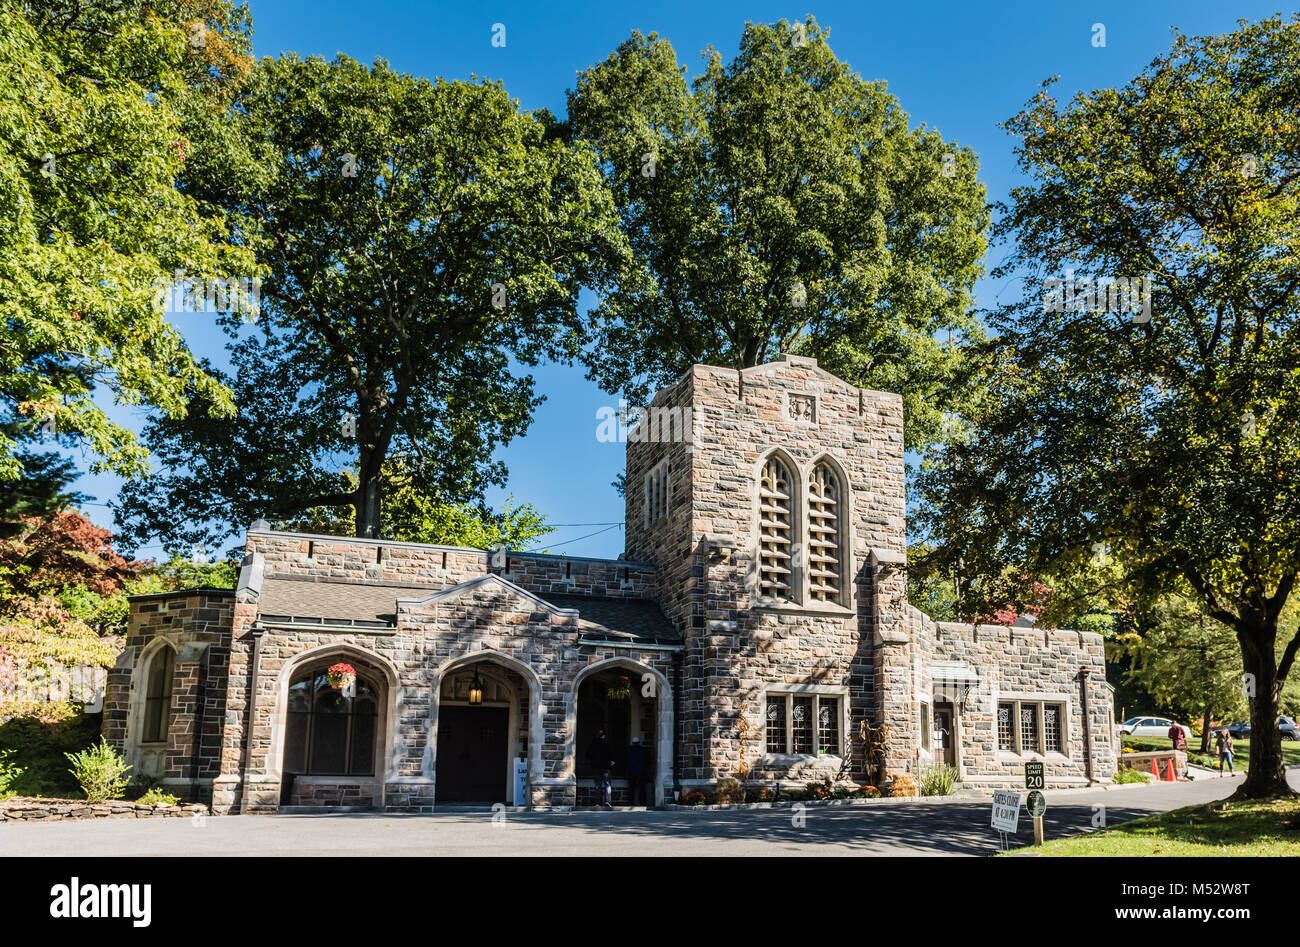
[
  {"x": 828, "y": 725},
  {"x": 776, "y": 725},
  {"x": 1028, "y": 728},
  {"x": 1006, "y": 737},
  {"x": 1052, "y": 728},
  {"x": 801, "y": 725}
]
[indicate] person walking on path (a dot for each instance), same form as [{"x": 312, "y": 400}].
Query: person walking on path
[
  {"x": 637, "y": 760},
  {"x": 598, "y": 755},
  {"x": 1178, "y": 737},
  {"x": 1225, "y": 750}
]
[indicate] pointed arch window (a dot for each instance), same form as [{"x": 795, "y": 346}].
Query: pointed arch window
[
  {"x": 776, "y": 502},
  {"x": 329, "y": 733},
  {"x": 158, "y": 696},
  {"x": 825, "y": 535}
]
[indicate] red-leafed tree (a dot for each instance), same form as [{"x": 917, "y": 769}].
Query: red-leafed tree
[{"x": 44, "y": 555}]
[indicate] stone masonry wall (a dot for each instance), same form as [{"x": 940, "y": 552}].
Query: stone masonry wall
[
  {"x": 200, "y": 619},
  {"x": 490, "y": 622},
  {"x": 375, "y": 562},
  {"x": 367, "y": 560},
  {"x": 744, "y": 646},
  {"x": 1021, "y": 663}
]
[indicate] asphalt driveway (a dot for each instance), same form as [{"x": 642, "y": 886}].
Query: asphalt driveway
[{"x": 913, "y": 828}]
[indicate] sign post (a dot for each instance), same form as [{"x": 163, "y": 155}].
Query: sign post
[
  {"x": 1006, "y": 811},
  {"x": 1035, "y": 780}
]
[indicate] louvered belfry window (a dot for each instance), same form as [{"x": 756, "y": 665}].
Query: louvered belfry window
[
  {"x": 775, "y": 530},
  {"x": 824, "y": 570}
]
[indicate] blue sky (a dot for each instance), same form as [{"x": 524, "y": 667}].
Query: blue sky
[{"x": 959, "y": 67}]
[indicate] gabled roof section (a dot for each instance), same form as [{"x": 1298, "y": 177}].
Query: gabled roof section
[
  {"x": 318, "y": 601},
  {"x": 621, "y": 620},
  {"x": 491, "y": 579},
  {"x": 785, "y": 361}
]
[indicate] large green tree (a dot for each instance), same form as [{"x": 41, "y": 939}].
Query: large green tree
[
  {"x": 780, "y": 202},
  {"x": 424, "y": 240},
  {"x": 1188, "y": 663},
  {"x": 1169, "y": 437},
  {"x": 411, "y": 515},
  {"x": 97, "y": 109}
]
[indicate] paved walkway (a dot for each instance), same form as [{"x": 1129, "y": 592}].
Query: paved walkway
[{"x": 922, "y": 828}]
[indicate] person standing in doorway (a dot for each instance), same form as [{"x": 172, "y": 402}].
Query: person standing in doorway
[
  {"x": 1225, "y": 750},
  {"x": 598, "y": 755},
  {"x": 637, "y": 760}
]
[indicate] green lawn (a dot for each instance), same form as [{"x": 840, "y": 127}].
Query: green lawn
[
  {"x": 1240, "y": 750},
  {"x": 1244, "y": 828}
]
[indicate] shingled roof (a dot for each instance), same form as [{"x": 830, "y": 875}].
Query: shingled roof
[
  {"x": 336, "y": 602},
  {"x": 633, "y": 621},
  {"x": 620, "y": 619}
]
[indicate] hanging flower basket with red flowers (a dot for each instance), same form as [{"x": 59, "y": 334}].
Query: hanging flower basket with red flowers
[
  {"x": 621, "y": 689},
  {"x": 341, "y": 675}
]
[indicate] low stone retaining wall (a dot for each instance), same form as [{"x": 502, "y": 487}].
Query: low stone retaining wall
[
  {"x": 30, "y": 809},
  {"x": 1142, "y": 761}
]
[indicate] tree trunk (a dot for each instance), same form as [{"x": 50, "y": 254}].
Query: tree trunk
[
  {"x": 1267, "y": 775},
  {"x": 1205, "y": 730},
  {"x": 369, "y": 504}
]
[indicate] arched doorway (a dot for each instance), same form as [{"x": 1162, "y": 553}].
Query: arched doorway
[
  {"x": 631, "y": 705},
  {"x": 482, "y": 727}
]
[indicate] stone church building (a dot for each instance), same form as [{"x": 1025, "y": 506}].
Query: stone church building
[{"x": 757, "y": 629}]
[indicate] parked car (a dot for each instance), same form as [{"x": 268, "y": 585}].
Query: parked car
[
  {"x": 1151, "y": 727},
  {"x": 1290, "y": 731}
]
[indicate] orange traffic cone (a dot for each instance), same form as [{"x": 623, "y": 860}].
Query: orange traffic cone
[
  {"x": 1154, "y": 770},
  {"x": 1173, "y": 777}
]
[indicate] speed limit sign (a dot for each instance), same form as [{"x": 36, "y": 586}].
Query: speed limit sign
[{"x": 1034, "y": 778}]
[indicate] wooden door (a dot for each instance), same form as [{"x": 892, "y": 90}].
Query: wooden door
[{"x": 473, "y": 746}]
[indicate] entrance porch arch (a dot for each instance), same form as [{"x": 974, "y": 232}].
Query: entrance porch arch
[
  {"x": 663, "y": 750},
  {"x": 529, "y": 704},
  {"x": 368, "y": 663}
]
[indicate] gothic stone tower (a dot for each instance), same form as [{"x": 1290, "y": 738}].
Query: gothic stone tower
[{"x": 772, "y": 502}]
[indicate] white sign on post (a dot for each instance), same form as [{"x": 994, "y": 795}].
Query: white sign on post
[
  {"x": 521, "y": 781},
  {"x": 1006, "y": 811}
]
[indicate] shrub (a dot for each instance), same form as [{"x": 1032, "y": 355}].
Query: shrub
[
  {"x": 869, "y": 792},
  {"x": 938, "y": 780},
  {"x": 759, "y": 795},
  {"x": 728, "y": 791},
  {"x": 792, "y": 795},
  {"x": 156, "y": 797},
  {"x": 821, "y": 790},
  {"x": 1131, "y": 776},
  {"x": 903, "y": 785},
  {"x": 694, "y": 797},
  {"x": 39, "y": 745},
  {"x": 100, "y": 770},
  {"x": 9, "y": 773}
]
